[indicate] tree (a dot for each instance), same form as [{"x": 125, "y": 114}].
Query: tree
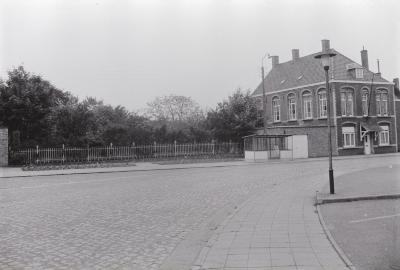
[
  {"x": 233, "y": 118},
  {"x": 175, "y": 108},
  {"x": 26, "y": 101},
  {"x": 177, "y": 118}
]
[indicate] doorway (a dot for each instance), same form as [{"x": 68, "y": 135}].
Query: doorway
[{"x": 367, "y": 144}]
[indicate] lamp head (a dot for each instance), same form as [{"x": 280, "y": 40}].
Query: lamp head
[{"x": 325, "y": 58}]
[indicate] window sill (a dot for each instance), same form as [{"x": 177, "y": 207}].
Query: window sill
[
  {"x": 292, "y": 120},
  {"x": 322, "y": 118},
  {"x": 350, "y": 147},
  {"x": 276, "y": 122},
  {"x": 383, "y": 145}
]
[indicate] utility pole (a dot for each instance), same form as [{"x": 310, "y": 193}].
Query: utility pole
[{"x": 264, "y": 101}]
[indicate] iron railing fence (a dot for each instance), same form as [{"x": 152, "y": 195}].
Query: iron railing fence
[{"x": 65, "y": 155}]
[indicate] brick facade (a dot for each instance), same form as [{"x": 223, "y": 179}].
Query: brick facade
[
  {"x": 397, "y": 110},
  {"x": 316, "y": 127},
  {"x": 3, "y": 146},
  {"x": 296, "y": 103}
]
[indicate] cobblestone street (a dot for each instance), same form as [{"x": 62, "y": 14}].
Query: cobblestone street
[{"x": 135, "y": 220}]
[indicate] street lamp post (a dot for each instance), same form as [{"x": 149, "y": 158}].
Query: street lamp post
[
  {"x": 325, "y": 60},
  {"x": 264, "y": 103}
]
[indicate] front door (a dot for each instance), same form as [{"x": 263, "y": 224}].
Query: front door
[{"x": 367, "y": 144}]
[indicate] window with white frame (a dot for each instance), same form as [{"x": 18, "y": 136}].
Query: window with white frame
[
  {"x": 359, "y": 73},
  {"x": 349, "y": 136},
  {"x": 384, "y": 135},
  {"x": 307, "y": 105},
  {"x": 381, "y": 103},
  {"x": 365, "y": 103},
  {"x": 276, "y": 109},
  {"x": 292, "y": 106},
  {"x": 322, "y": 104},
  {"x": 346, "y": 102}
]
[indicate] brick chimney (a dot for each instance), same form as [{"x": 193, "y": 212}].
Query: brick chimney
[
  {"x": 275, "y": 60},
  {"x": 396, "y": 83},
  {"x": 364, "y": 58},
  {"x": 295, "y": 54},
  {"x": 396, "y": 87},
  {"x": 325, "y": 45}
]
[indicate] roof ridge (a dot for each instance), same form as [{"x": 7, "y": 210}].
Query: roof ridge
[
  {"x": 298, "y": 59},
  {"x": 287, "y": 74}
]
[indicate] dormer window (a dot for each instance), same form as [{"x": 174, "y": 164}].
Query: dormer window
[{"x": 359, "y": 73}]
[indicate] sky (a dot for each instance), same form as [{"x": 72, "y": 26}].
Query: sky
[{"x": 128, "y": 52}]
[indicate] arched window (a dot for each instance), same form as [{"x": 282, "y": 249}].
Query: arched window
[
  {"x": 381, "y": 102},
  {"x": 322, "y": 104},
  {"x": 291, "y": 106},
  {"x": 307, "y": 105},
  {"x": 365, "y": 105},
  {"x": 384, "y": 134},
  {"x": 349, "y": 136},
  {"x": 276, "y": 109},
  {"x": 347, "y": 102}
]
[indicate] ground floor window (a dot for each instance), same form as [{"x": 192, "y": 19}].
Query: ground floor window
[
  {"x": 349, "y": 136},
  {"x": 384, "y": 135}
]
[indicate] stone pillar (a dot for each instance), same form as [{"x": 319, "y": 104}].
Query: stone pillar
[{"x": 3, "y": 147}]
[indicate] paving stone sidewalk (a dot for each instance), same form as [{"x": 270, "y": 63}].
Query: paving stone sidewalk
[
  {"x": 280, "y": 230},
  {"x": 375, "y": 182}
]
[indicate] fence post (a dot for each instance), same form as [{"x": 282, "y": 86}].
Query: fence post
[
  {"x": 37, "y": 154},
  {"x": 88, "y": 155},
  {"x": 213, "y": 147},
  {"x": 155, "y": 149},
  {"x": 133, "y": 150},
  {"x": 175, "y": 148},
  {"x": 63, "y": 154}
]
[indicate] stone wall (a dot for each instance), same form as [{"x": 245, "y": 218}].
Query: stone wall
[{"x": 3, "y": 146}]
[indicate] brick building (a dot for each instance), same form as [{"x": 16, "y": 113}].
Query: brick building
[
  {"x": 3, "y": 146},
  {"x": 362, "y": 104},
  {"x": 397, "y": 106}
]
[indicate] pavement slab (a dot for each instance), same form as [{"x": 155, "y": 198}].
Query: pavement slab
[{"x": 362, "y": 215}]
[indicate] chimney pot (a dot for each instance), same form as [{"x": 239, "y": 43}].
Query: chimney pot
[
  {"x": 275, "y": 60},
  {"x": 364, "y": 58},
  {"x": 295, "y": 54},
  {"x": 325, "y": 45}
]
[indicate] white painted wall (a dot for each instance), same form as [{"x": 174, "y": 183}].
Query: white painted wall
[
  {"x": 300, "y": 146},
  {"x": 286, "y": 154},
  {"x": 255, "y": 155}
]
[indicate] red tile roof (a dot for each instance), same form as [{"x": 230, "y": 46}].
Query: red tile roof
[{"x": 308, "y": 70}]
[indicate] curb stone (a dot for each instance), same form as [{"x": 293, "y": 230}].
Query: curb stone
[
  {"x": 360, "y": 198},
  {"x": 122, "y": 171},
  {"x": 335, "y": 246}
]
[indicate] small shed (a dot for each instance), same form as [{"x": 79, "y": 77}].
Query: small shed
[{"x": 265, "y": 147}]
